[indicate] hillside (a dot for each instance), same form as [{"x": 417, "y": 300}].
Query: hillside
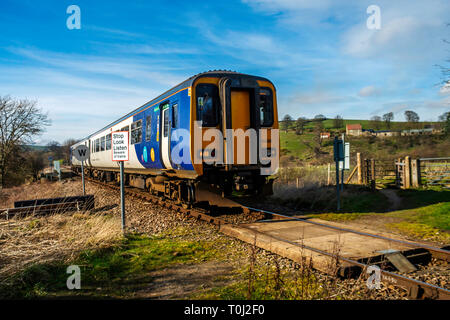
[
  {"x": 304, "y": 148},
  {"x": 366, "y": 124}
]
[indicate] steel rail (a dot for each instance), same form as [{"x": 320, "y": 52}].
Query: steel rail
[
  {"x": 429, "y": 290},
  {"x": 416, "y": 289},
  {"x": 441, "y": 253}
]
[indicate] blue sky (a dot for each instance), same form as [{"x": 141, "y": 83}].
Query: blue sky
[{"x": 319, "y": 53}]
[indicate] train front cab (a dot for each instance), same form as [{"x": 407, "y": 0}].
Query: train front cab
[{"x": 234, "y": 102}]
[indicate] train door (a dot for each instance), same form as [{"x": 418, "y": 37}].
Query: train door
[
  {"x": 240, "y": 119},
  {"x": 174, "y": 125},
  {"x": 165, "y": 135},
  {"x": 90, "y": 153}
]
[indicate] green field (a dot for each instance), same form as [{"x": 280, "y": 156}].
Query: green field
[
  {"x": 366, "y": 124},
  {"x": 304, "y": 149}
]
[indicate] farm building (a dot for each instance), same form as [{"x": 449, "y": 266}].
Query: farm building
[
  {"x": 353, "y": 129},
  {"x": 324, "y": 135},
  {"x": 386, "y": 133},
  {"x": 417, "y": 132}
]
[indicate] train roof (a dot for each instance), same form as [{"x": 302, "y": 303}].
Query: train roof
[{"x": 186, "y": 83}]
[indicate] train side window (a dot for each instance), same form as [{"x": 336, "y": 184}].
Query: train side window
[
  {"x": 208, "y": 104},
  {"x": 127, "y": 128},
  {"x": 136, "y": 132},
  {"x": 266, "y": 107},
  {"x": 102, "y": 143},
  {"x": 175, "y": 116},
  {"x": 97, "y": 145},
  {"x": 166, "y": 123},
  {"x": 108, "y": 141},
  {"x": 148, "y": 128}
]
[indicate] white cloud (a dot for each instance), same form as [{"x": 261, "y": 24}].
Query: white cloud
[
  {"x": 83, "y": 93},
  {"x": 369, "y": 91},
  {"x": 445, "y": 89},
  {"x": 116, "y": 32},
  {"x": 102, "y": 65},
  {"x": 410, "y": 31}
]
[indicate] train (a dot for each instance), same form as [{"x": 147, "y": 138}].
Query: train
[{"x": 212, "y": 135}]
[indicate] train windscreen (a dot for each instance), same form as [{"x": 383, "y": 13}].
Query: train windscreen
[{"x": 208, "y": 104}]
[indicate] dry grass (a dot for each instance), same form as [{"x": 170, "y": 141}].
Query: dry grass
[
  {"x": 56, "y": 237},
  {"x": 59, "y": 236}
]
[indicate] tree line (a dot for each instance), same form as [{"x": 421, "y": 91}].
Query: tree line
[
  {"x": 21, "y": 121},
  {"x": 411, "y": 117}
]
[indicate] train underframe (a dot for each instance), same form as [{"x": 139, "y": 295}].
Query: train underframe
[{"x": 216, "y": 186}]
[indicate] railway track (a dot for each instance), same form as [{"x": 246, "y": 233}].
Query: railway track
[{"x": 416, "y": 289}]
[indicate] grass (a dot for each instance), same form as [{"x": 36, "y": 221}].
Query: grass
[
  {"x": 427, "y": 216},
  {"x": 366, "y": 124},
  {"x": 268, "y": 280},
  {"x": 323, "y": 199},
  {"x": 296, "y": 145},
  {"x": 431, "y": 222},
  {"x": 267, "y": 284},
  {"x": 116, "y": 269},
  {"x": 298, "y": 148}
]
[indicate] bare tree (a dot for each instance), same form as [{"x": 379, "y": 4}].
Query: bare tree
[
  {"x": 375, "y": 122},
  {"x": 338, "y": 122},
  {"x": 388, "y": 117},
  {"x": 320, "y": 117},
  {"x": 445, "y": 69},
  {"x": 318, "y": 129},
  {"x": 299, "y": 125},
  {"x": 411, "y": 116},
  {"x": 445, "y": 119},
  {"x": 287, "y": 122},
  {"x": 20, "y": 121},
  {"x": 66, "y": 148},
  {"x": 36, "y": 163},
  {"x": 56, "y": 149}
]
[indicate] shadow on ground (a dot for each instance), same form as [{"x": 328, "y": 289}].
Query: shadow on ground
[{"x": 357, "y": 199}]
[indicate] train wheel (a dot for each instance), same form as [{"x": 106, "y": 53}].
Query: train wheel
[
  {"x": 186, "y": 205},
  {"x": 175, "y": 197}
]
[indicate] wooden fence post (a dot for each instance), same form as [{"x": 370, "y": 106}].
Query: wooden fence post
[
  {"x": 359, "y": 164},
  {"x": 366, "y": 171},
  {"x": 419, "y": 182},
  {"x": 407, "y": 171},
  {"x": 414, "y": 174},
  {"x": 329, "y": 174},
  {"x": 372, "y": 173}
]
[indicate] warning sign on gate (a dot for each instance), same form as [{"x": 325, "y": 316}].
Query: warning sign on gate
[{"x": 120, "y": 146}]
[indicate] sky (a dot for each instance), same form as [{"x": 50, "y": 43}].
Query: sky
[{"x": 320, "y": 54}]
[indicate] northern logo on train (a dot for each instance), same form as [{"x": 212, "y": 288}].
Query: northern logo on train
[{"x": 144, "y": 154}]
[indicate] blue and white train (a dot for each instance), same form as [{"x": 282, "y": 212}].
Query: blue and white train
[{"x": 162, "y": 131}]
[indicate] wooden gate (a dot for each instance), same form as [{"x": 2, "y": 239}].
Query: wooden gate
[
  {"x": 400, "y": 173},
  {"x": 435, "y": 172}
]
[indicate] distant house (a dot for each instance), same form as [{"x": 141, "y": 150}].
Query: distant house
[
  {"x": 324, "y": 135},
  {"x": 417, "y": 132},
  {"x": 353, "y": 129},
  {"x": 386, "y": 133}
]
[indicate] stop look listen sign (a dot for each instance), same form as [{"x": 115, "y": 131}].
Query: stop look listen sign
[
  {"x": 120, "y": 152},
  {"x": 120, "y": 146}
]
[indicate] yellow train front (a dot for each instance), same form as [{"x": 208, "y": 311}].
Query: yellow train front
[{"x": 214, "y": 133}]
